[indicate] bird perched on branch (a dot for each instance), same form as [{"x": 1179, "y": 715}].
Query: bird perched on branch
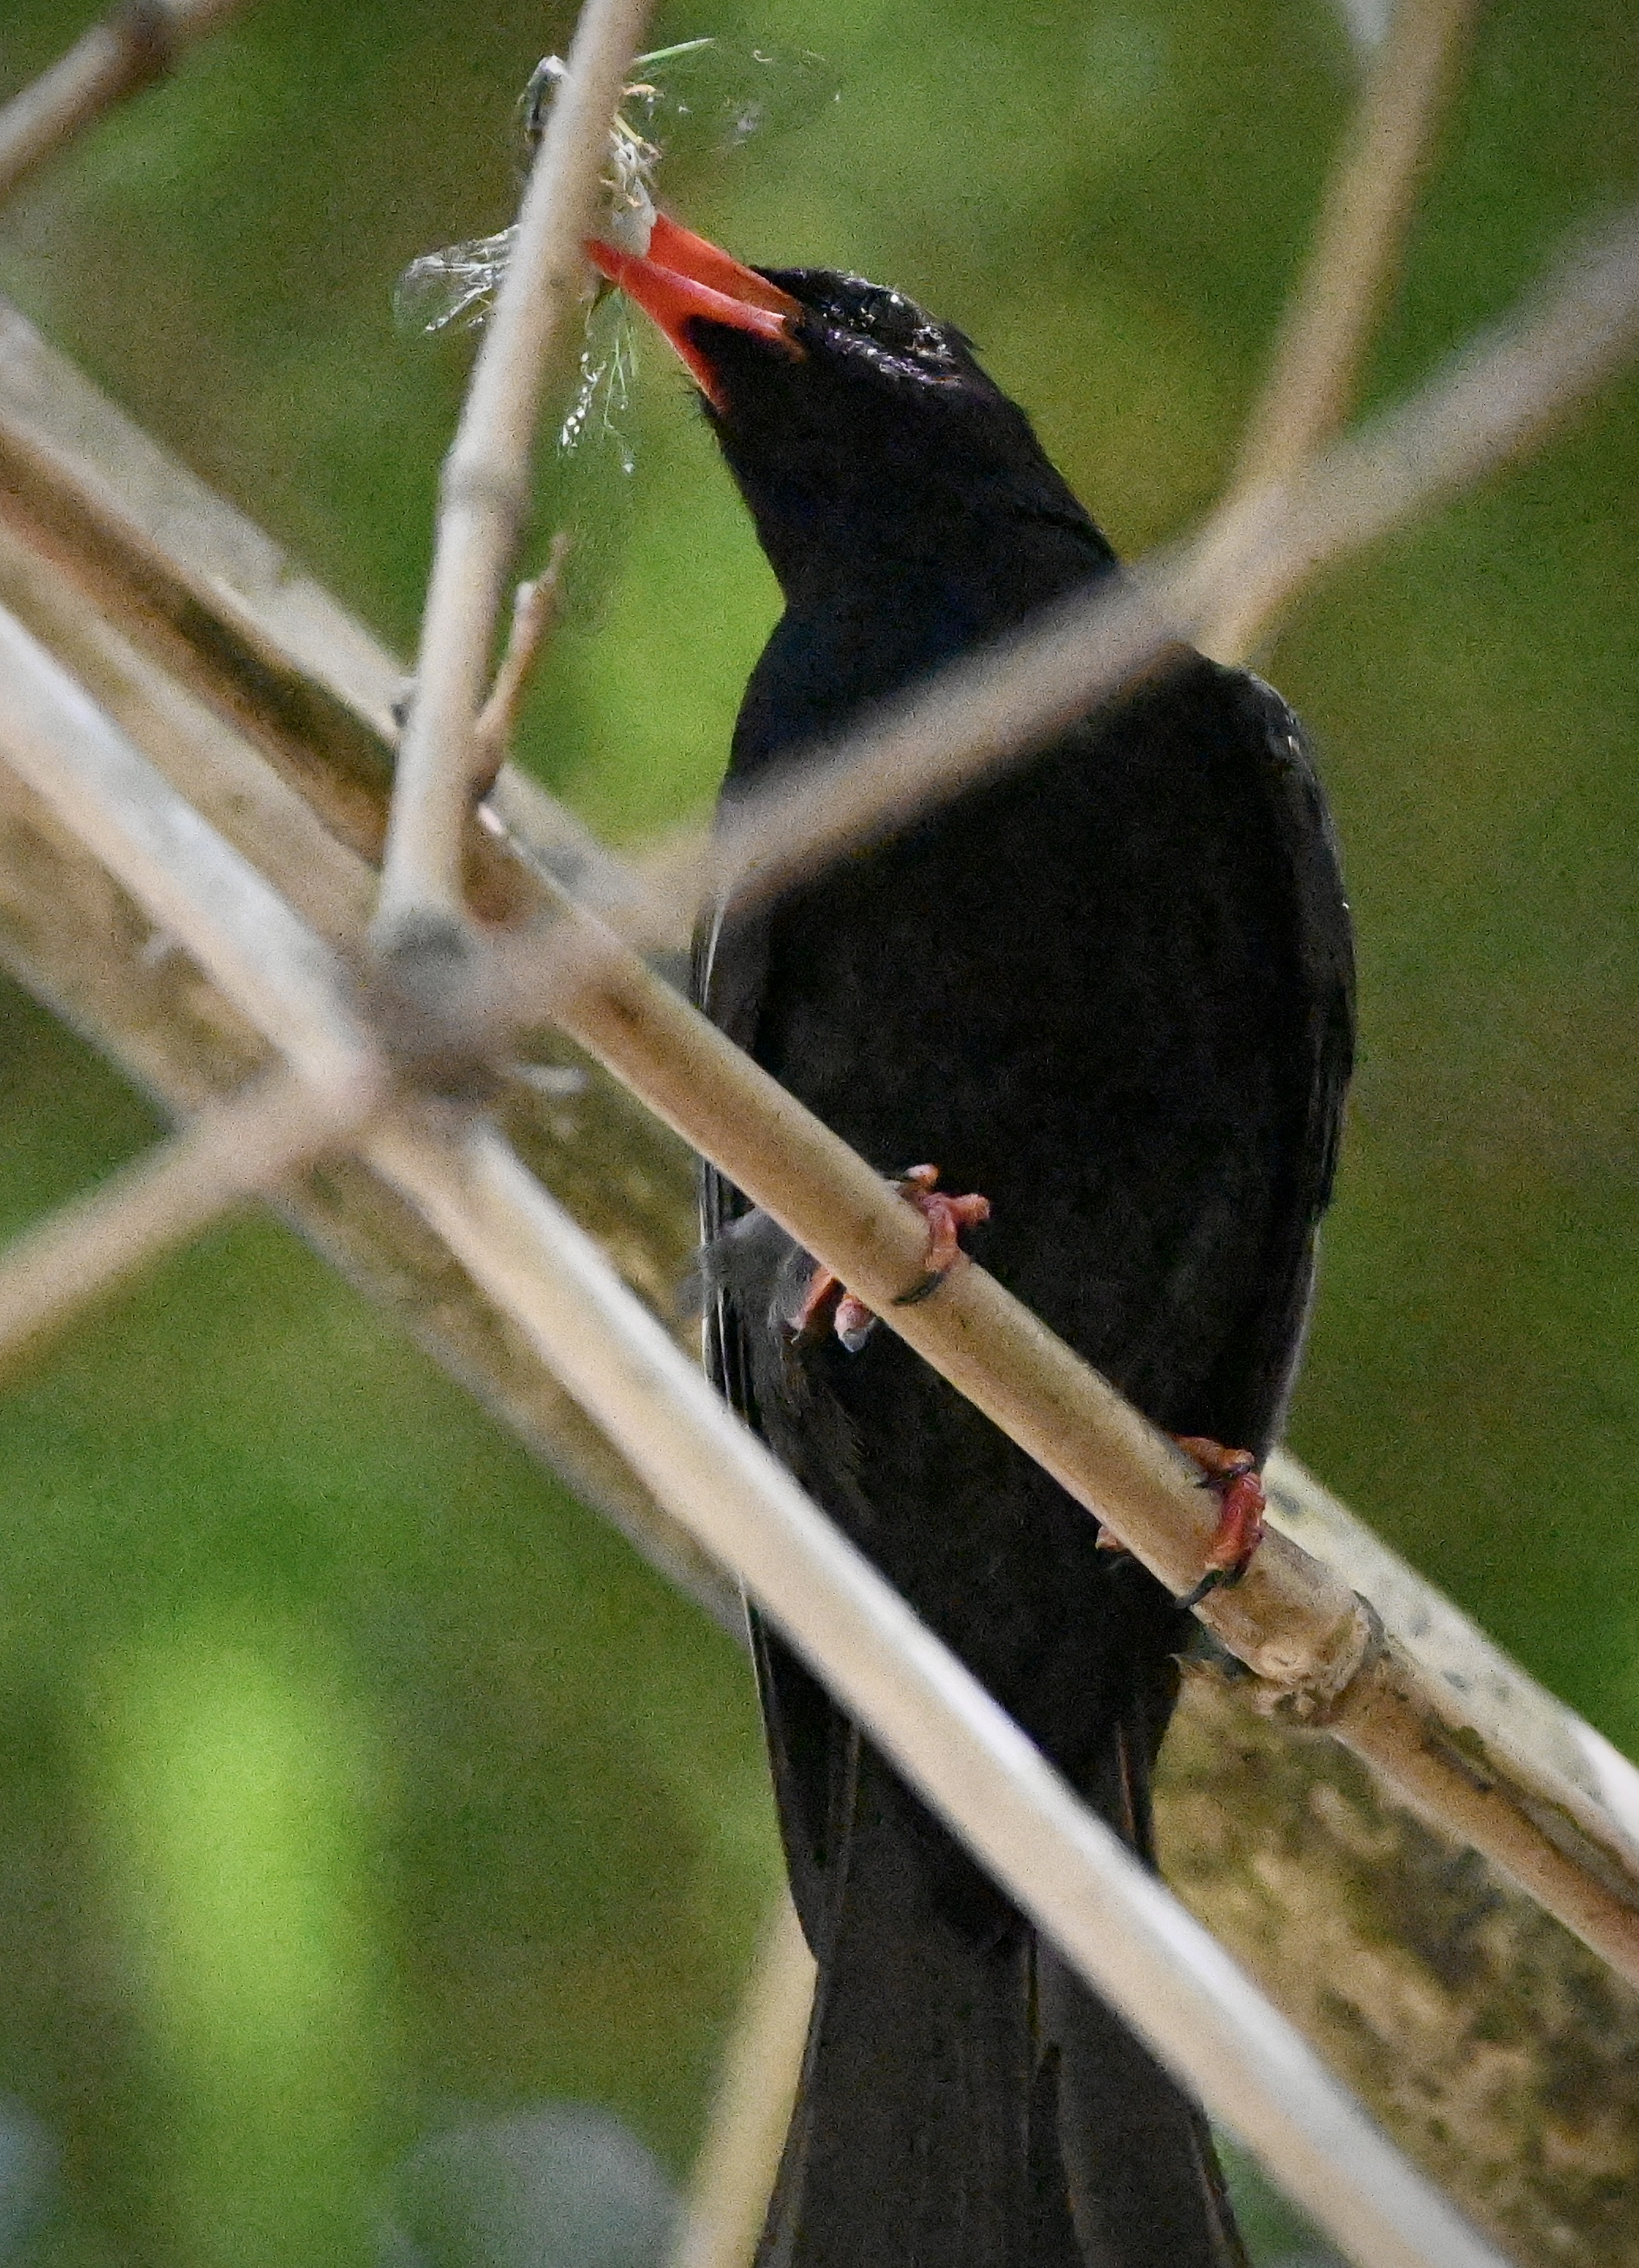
[{"x": 1106, "y": 1000}]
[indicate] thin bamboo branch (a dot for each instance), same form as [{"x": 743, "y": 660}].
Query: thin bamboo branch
[
  {"x": 212, "y": 903},
  {"x": 1290, "y": 1619},
  {"x": 1329, "y": 320},
  {"x": 535, "y": 608},
  {"x": 135, "y": 44},
  {"x": 1286, "y": 1619},
  {"x": 484, "y": 493},
  {"x": 1521, "y": 1717},
  {"x": 733, "y": 2173},
  {"x": 1503, "y": 392},
  {"x": 1111, "y": 1917},
  {"x": 230, "y": 1153},
  {"x": 1512, "y": 2079}
]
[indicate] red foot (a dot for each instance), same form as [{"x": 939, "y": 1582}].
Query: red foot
[
  {"x": 1233, "y": 1475},
  {"x": 946, "y": 1217}
]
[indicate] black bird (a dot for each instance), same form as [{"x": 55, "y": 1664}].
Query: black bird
[{"x": 1113, "y": 992}]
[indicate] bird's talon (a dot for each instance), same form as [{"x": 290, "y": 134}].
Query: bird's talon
[
  {"x": 946, "y": 1217},
  {"x": 1233, "y": 1475},
  {"x": 849, "y": 1317},
  {"x": 1214, "y": 1580},
  {"x": 823, "y": 1288}
]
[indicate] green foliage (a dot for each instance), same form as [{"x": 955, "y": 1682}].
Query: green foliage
[
  {"x": 281, "y": 1621},
  {"x": 346, "y": 1761}
]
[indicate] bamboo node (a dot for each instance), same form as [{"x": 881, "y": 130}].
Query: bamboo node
[
  {"x": 434, "y": 1002},
  {"x": 1313, "y": 1698}
]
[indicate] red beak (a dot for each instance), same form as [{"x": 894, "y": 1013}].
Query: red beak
[{"x": 682, "y": 279}]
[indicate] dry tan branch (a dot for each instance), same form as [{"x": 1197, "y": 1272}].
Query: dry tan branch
[
  {"x": 1329, "y": 321},
  {"x": 85, "y": 966},
  {"x": 1510, "y": 2078},
  {"x": 733, "y": 2175},
  {"x": 1291, "y": 1621},
  {"x": 484, "y": 493},
  {"x": 211, "y": 905},
  {"x": 135, "y": 43},
  {"x": 535, "y": 607},
  {"x": 231, "y": 1154}
]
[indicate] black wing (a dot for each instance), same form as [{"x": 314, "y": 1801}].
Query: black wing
[
  {"x": 1306, "y": 847},
  {"x": 811, "y": 1743}
]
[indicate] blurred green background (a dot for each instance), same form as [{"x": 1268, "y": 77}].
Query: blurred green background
[{"x": 354, "y": 1784}]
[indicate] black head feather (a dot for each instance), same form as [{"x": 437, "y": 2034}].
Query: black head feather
[{"x": 882, "y": 432}]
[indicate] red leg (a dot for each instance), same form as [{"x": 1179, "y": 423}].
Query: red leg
[
  {"x": 1232, "y": 1473},
  {"x": 827, "y": 1305},
  {"x": 823, "y": 1287}
]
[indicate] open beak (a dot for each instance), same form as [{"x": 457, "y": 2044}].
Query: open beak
[{"x": 682, "y": 279}]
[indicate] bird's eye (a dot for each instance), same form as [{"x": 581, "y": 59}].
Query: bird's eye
[
  {"x": 898, "y": 324},
  {"x": 901, "y": 330}
]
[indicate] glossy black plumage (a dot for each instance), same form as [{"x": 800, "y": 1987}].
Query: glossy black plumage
[{"x": 1113, "y": 992}]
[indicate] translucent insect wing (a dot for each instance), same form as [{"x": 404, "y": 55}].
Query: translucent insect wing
[{"x": 452, "y": 288}]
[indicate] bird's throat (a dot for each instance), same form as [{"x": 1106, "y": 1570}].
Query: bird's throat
[{"x": 850, "y": 640}]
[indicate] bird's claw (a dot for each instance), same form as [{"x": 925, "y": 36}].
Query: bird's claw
[
  {"x": 851, "y": 1320},
  {"x": 825, "y": 1299},
  {"x": 946, "y": 1217},
  {"x": 1233, "y": 1476}
]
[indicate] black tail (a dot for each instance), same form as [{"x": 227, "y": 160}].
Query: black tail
[{"x": 966, "y": 2102}]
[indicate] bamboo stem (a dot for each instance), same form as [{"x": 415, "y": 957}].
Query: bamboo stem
[
  {"x": 135, "y": 44},
  {"x": 1329, "y": 320},
  {"x": 535, "y": 608},
  {"x": 484, "y": 494},
  {"x": 734, "y": 2171},
  {"x": 196, "y": 891},
  {"x": 1290, "y": 1619},
  {"x": 231, "y": 1152}
]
